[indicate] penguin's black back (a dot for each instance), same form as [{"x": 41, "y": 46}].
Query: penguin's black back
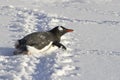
[{"x": 38, "y": 39}]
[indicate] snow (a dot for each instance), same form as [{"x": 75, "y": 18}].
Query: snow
[{"x": 92, "y": 48}]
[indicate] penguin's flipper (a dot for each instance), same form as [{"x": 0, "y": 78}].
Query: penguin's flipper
[{"x": 59, "y": 45}]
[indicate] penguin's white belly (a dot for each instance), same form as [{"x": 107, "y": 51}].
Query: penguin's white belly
[{"x": 32, "y": 49}]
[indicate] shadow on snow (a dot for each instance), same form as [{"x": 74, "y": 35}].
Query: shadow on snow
[{"x": 6, "y": 51}]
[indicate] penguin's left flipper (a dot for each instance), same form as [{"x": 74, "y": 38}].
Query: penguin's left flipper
[{"x": 59, "y": 45}]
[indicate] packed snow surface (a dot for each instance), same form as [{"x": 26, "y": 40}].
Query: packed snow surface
[{"x": 93, "y": 49}]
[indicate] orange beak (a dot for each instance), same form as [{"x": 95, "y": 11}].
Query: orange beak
[{"x": 69, "y": 30}]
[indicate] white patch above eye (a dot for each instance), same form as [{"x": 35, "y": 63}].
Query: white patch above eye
[{"x": 60, "y": 28}]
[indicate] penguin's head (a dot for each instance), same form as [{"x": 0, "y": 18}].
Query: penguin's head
[{"x": 60, "y": 30}]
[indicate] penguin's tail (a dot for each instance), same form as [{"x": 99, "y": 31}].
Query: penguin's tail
[{"x": 17, "y": 44}]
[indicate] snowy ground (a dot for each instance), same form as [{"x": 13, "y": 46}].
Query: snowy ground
[{"x": 93, "y": 48}]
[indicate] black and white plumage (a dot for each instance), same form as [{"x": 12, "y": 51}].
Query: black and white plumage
[{"x": 41, "y": 41}]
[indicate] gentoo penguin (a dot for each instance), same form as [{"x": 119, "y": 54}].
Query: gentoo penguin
[{"x": 41, "y": 41}]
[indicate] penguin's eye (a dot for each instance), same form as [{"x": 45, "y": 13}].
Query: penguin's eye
[{"x": 60, "y": 28}]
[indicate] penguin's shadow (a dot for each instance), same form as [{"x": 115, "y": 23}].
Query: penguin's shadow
[{"x": 6, "y": 51}]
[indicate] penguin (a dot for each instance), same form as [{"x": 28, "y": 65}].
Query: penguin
[{"x": 41, "y": 41}]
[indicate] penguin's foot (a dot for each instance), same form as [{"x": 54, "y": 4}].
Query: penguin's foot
[{"x": 18, "y": 52}]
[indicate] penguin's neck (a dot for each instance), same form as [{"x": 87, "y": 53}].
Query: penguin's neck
[{"x": 56, "y": 37}]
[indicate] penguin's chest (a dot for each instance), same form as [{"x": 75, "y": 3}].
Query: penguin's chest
[{"x": 32, "y": 49}]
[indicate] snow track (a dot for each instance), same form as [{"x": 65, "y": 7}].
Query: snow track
[
  {"x": 92, "y": 50},
  {"x": 32, "y": 67},
  {"x": 88, "y": 21}
]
